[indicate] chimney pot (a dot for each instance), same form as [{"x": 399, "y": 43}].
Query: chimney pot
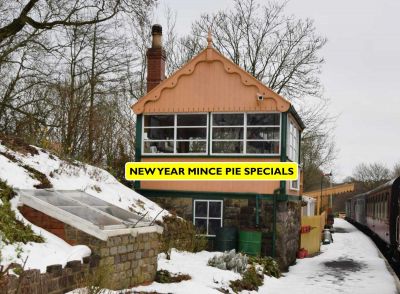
[
  {"x": 156, "y": 29},
  {"x": 156, "y": 33}
]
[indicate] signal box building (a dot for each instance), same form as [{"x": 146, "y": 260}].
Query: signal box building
[{"x": 211, "y": 110}]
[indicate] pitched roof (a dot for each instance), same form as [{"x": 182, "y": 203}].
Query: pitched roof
[{"x": 214, "y": 83}]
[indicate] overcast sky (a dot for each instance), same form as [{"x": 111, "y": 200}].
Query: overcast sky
[{"x": 361, "y": 74}]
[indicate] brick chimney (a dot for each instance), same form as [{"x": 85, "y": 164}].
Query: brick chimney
[{"x": 155, "y": 59}]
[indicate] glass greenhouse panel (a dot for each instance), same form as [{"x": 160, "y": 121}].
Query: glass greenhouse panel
[
  {"x": 99, "y": 219},
  {"x": 87, "y": 207}
]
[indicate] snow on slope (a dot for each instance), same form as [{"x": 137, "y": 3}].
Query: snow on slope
[{"x": 66, "y": 176}]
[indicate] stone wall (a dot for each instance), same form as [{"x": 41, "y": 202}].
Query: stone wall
[
  {"x": 132, "y": 258},
  {"x": 55, "y": 280},
  {"x": 288, "y": 223}
]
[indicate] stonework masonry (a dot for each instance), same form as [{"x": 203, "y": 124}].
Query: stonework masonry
[
  {"x": 132, "y": 259},
  {"x": 56, "y": 279}
]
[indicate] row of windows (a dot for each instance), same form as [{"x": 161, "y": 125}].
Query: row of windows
[
  {"x": 378, "y": 206},
  {"x": 231, "y": 133}
]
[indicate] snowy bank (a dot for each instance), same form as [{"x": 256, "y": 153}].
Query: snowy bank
[{"x": 14, "y": 169}]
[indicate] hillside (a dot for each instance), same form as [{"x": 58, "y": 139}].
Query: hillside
[{"x": 24, "y": 166}]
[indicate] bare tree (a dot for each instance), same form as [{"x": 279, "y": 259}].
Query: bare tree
[
  {"x": 318, "y": 147},
  {"x": 65, "y": 74},
  {"x": 371, "y": 175},
  {"x": 46, "y": 15},
  {"x": 396, "y": 170},
  {"x": 279, "y": 50}
]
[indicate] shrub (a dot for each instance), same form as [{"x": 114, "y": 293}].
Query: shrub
[
  {"x": 164, "y": 276},
  {"x": 12, "y": 229},
  {"x": 229, "y": 260},
  {"x": 6, "y": 192},
  {"x": 269, "y": 265},
  {"x": 250, "y": 281},
  {"x": 182, "y": 235}
]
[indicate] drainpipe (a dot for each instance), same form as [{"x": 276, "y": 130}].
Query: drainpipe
[
  {"x": 276, "y": 191},
  {"x": 257, "y": 211}
]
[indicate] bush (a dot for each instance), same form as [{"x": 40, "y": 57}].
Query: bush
[
  {"x": 164, "y": 276},
  {"x": 6, "y": 192},
  {"x": 182, "y": 235},
  {"x": 269, "y": 265},
  {"x": 250, "y": 281},
  {"x": 229, "y": 261},
  {"x": 12, "y": 229}
]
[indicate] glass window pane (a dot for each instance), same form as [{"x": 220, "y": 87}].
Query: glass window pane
[
  {"x": 225, "y": 119},
  {"x": 254, "y": 133},
  {"x": 213, "y": 226},
  {"x": 158, "y": 120},
  {"x": 227, "y": 147},
  {"x": 191, "y": 133},
  {"x": 159, "y": 147},
  {"x": 192, "y": 119},
  {"x": 227, "y": 133},
  {"x": 214, "y": 209},
  {"x": 263, "y": 119},
  {"x": 191, "y": 146},
  {"x": 200, "y": 209},
  {"x": 262, "y": 147},
  {"x": 201, "y": 225},
  {"x": 158, "y": 134}
]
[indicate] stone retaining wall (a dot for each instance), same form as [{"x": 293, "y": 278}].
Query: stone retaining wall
[
  {"x": 131, "y": 258},
  {"x": 56, "y": 279}
]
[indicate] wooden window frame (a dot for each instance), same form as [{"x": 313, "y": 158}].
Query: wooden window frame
[
  {"x": 175, "y": 139},
  {"x": 245, "y": 140},
  {"x": 207, "y": 218}
]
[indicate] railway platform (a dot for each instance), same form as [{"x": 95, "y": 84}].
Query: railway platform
[{"x": 351, "y": 264}]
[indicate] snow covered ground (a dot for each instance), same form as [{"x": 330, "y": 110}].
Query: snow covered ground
[
  {"x": 349, "y": 265},
  {"x": 66, "y": 176}
]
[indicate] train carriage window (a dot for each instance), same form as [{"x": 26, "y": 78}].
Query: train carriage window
[
  {"x": 369, "y": 208},
  {"x": 387, "y": 206},
  {"x": 386, "y": 210},
  {"x": 380, "y": 208},
  {"x": 378, "y": 214}
]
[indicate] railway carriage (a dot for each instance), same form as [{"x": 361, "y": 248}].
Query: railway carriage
[{"x": 378, "y": 211}]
